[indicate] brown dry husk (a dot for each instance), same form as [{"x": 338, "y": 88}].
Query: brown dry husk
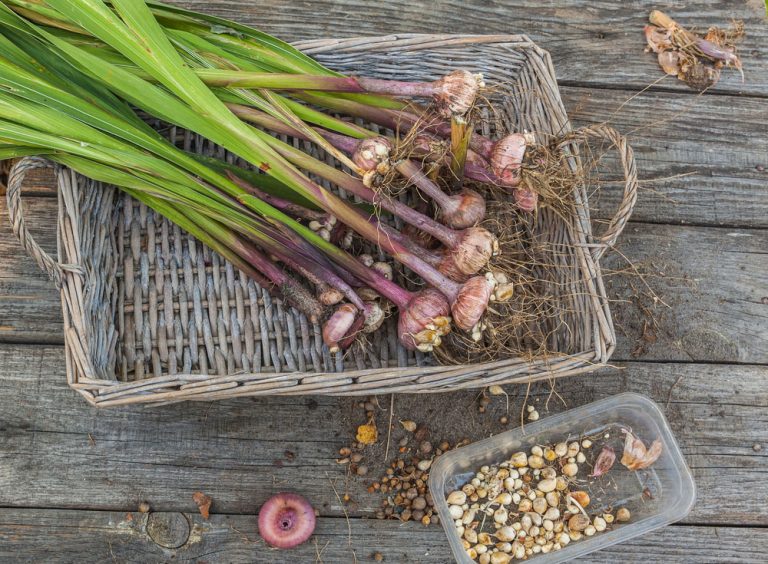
[{"x": 692, "y": 66}]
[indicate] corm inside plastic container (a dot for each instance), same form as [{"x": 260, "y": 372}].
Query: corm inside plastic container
[{"x": 656, "y": 496}]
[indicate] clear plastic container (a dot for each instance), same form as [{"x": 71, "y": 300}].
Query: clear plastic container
[{"x": 657, "y": 496}]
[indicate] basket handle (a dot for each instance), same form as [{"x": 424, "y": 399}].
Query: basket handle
[
  {"x": 627, "y": 156},
  {"x": 16, "y": 212}
]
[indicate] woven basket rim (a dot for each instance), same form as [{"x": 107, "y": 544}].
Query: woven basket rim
[{"x": 160, "y": 390}]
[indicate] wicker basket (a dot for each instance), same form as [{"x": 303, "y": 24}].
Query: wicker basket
[{"x": 151, "y": 316}]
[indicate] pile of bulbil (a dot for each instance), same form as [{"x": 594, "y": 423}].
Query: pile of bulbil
[
  {"x": 82, "y": 70},
  {"x": 539, "y": 501}
]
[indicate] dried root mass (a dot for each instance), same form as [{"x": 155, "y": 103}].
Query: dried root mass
[{"x": 537, "y": 267}]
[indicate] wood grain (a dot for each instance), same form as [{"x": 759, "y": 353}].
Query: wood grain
[
  {"x": 597, "y": 43},
  {"x": 57, "y": 452},
  {"x": 690, "y": 293},
  {"x": 30, "y": 308},
  {"x": 34, "y": 534},
  {"x": 701, "y": 160}
]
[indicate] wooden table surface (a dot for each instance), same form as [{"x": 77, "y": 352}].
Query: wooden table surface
[{"x": 71, "y": 477}]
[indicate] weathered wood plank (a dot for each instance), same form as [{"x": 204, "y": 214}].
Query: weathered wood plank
[
  {"x": 30, "y": 309},
  {"x": 90, "y": 536},
  {"x": 37, "y": 182},
  {"x": 595, "y": 43},
  {"x": 702, "y": 161},
  {"x": 714, "y": 281},
  {"x": 57, "y": 452}
]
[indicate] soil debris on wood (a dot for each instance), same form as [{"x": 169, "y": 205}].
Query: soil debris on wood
[
  {"x": 400, "y": 481},
  {"x": 404, "y": 485},
  {"x": 366, "y": 435},
  {"x": 203, "y": 503},
  {"x": 694, "y": 58}
]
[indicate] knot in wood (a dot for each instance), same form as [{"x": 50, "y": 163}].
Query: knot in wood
[{"x": 169, "y": 530}]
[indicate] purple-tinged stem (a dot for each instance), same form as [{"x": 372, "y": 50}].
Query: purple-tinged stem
[
  {"x": 480, "y": 173},
  {"x": 338, "y": 232},
  {"x": 450, "y": 86},
  {"x": 442, "y": 259},
  {"x": 316, "y": 273},
  {"x": 399, "y": 88},
  {"x": 343, "y": 142},
  {"x": 228, "y": 78},
  {"x": 459, "y": 211},
  {"x": 413, "y": 174},
  {"x": 296, "y": 294},
  {"x": 326, "y": 294},
  {"x": 472, "y": 247},
  {"x": 290, "y": 208},
  {"x": 295, "y": 251},
  {"x": 444, "y": 234},
  {"x": 468, "y": 301},
  {"x": 376, "y": 233},
  {"x": 397, "y": 120},
  {"x": 392, "y": 119},
  {"x": 454, "y": 94},
  {"x": 476, "y": 166}
]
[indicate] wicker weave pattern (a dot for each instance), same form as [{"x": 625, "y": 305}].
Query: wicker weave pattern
[{"x": 153, "y": 316}]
